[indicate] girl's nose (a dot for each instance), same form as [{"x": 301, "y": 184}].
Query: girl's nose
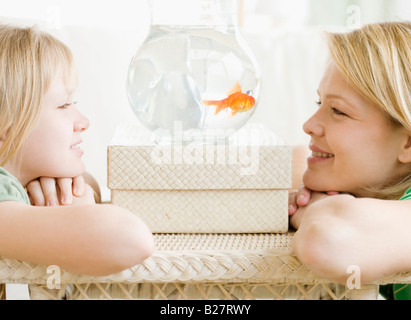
[
  {"x": 314, "y": 126},
  {"x": 82, "y": 123}
]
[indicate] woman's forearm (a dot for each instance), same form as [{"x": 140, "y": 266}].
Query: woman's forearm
[{"x": 342, "y": 231}]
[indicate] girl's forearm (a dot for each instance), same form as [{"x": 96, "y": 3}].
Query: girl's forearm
[{"x": 91, "y": 239}]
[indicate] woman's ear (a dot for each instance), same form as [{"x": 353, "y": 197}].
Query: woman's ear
[{"x": 405, "y": 153}]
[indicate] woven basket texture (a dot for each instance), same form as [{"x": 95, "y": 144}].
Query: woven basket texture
[
  {"x": 204, "y": 188},
  {"x": 178, "y": 198},
  {"x": 200, "y": 266},
  {"x": 207, "y": 211},
  {"x": 137, "y": 168}
]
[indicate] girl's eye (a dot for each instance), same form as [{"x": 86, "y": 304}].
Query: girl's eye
[
  {"x": 66, "y": 105},
  {"x": 338, "y": 112},
  {"x": 318, "y": 103}
]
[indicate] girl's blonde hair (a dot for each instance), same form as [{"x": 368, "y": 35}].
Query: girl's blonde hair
[
  {"x": 377, "y": 61},
  {"x": 29, "y": 60}
]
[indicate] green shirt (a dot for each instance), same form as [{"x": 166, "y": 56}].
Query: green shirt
[
  {"x": 398, "y": 291},
  {"x": 11, "y": 189},
  {"x": 407, "y": 195}
]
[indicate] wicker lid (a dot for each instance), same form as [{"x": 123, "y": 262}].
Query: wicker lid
[{"x": 197, "y": 166}]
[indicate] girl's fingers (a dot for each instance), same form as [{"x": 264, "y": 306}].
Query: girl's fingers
[
  {"x": 48, "y": 186},
  {"x": 36, "y": 193},
  {"x": 52, "y": 192},
  {"x": 66, "y": 194},
  {"x": 79, "y": 186}
]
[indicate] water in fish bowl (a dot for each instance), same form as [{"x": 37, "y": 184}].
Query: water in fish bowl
[{"x": 200, "y": 80}]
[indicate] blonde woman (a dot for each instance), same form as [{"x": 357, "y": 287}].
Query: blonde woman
[
  {"x": 40, "y": 136},
  {"x": 360, "y": 159}
]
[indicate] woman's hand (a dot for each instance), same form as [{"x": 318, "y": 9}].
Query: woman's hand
[
  {"x": 298, "y": 200},
  {"x": 47, "y": 191}
]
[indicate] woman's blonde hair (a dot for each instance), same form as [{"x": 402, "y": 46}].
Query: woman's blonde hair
[
  {"x": 377, "y": 61},
  {"x": 29, "y": 60}
]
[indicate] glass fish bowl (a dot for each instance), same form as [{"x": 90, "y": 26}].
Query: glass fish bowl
[{"x": 194, "y": 77}]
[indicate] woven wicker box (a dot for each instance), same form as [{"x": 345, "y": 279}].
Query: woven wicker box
[{"x": 201, "y": 188}]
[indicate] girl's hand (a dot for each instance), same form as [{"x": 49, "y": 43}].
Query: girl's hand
[
  {"x": 88, "y": 197},
  {"x": 53, "y": 192}
]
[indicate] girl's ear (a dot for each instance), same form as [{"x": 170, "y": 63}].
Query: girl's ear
[{"x": 405, "y": 153}]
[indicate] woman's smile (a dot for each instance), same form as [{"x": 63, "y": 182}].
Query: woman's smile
[
  {"x": 319, "y": 155},
  {"x": 353, "y": 144}
]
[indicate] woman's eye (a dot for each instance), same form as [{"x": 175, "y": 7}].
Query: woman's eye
[{"x": 338, "y": 112}]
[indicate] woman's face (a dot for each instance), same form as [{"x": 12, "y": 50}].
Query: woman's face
[
  {"x": 354, "y": 145},
  {"x": 53, "y": 148}
]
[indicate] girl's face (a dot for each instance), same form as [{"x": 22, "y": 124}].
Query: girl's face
[
  {"x": 354, "y": 145},
  {"x": 53, "y": 148}
]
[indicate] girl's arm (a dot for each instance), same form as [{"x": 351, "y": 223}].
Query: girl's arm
[
  {"x": 340, "y": 231},
  {"x": 87, "y": 239}
]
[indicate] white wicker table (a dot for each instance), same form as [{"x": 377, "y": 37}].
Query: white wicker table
[{"x": 199, "y": 266}]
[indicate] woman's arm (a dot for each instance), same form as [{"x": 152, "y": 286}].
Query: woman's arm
[
  {"x": 340, "y": 231},
  {"x": 88, "y": 239}
]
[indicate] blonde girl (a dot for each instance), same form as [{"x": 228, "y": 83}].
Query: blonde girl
[
  {"x": 360, "y": 149},
  {"x": 40, "y": 145}
]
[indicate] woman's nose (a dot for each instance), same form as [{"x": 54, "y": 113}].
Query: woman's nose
[{"x": 314, "y": 125}]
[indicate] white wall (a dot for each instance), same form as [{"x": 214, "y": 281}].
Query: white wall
[{"x": 105, "y": 34}]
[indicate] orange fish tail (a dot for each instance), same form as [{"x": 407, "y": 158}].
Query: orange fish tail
[
  {"x": 209, "y": 102},
  {"x": 218, "y": 109},
  {"x": 218, "y": 104}
]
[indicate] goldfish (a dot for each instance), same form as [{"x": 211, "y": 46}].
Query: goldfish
[{"x": 237, "y": 101}]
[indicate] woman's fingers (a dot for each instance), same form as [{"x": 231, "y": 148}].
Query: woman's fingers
[
  {"x": 292, "y": 204},
  {"x": 303, "y": 196}
]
